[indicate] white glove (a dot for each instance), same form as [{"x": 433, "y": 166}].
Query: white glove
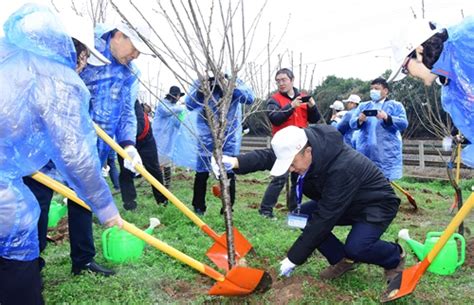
[
  {"x": 286, "y": 267},
  {"x": 229, "y": 164},
  {"x": 133, "y": 153}
]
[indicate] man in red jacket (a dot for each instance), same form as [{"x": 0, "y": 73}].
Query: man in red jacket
[{"x": 286, "y": 108}]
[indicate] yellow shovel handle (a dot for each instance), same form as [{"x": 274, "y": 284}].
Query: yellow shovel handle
[
  {"x": 158, "y": 244},
  {"x": 181, "y": 206}
]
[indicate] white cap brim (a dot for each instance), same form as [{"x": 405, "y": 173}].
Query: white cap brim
[
  {"x": 396, "y": 75},
  {"x": 280, "y": 167},
  {"x": 97, "y": 59}
]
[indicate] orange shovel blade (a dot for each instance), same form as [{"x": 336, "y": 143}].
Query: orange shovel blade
[
  {"x": 405, "y": 282},
  {"x": 242, "y": 281},
  {"x": 218, "y": 252}
]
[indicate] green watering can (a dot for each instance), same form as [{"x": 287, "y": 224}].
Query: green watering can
[
  {"x": 56, "y": 212},
  {"x": 120, "y": 246},
  {"x": 449, "y": 258}
]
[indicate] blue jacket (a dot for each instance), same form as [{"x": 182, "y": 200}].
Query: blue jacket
[
  {"x": 114, "y": 89},
  {"x": 456, "y": 62},
  {"x": 44, "y": 115},
  {"x": 381, "y": 141},
  {"x": 165, "y": 127},
  {"x": 196, "y": 146},
  {"x": 345, "y": 129}
]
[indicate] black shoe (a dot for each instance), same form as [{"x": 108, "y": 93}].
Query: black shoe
[
  {"x": 94, "y": 268},
  {"x": 266, "y": 214},
  {"x": 199, "y": 211},
  {"x": 130, "y": 206},
  {"x": 163, "y": 202}
]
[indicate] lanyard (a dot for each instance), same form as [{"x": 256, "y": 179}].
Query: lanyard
[{"x": 299, "y": 192}]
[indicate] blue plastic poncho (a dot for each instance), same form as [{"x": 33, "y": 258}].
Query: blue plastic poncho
[
  {"x": 114, "y": 90},
  {"x": 345, "y": 129},
  {"x": 457, "y": 64},
  {"x": 381, "y": 141},
  {"x": 165, "y": 127},
  {"x": 194, "y": 148},
  {"x": 43, "y": 115}
]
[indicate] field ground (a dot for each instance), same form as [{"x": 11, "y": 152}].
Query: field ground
[{"x": 158, "y": 279}]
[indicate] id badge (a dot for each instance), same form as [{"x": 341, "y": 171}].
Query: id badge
[{"x": 297, "y": 220}]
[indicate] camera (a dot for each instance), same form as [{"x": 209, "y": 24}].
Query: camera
[
  {"x": 371, "y": 112},
  {"x": 305, "y": 99}
]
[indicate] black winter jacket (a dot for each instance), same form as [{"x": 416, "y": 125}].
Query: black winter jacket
[{"x": 347, "y": 186}]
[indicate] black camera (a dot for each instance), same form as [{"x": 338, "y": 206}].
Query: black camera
[{"x": 371, "y": 112}]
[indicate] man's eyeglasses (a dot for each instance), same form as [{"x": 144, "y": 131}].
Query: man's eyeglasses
[{"x": 282, "y": 80}]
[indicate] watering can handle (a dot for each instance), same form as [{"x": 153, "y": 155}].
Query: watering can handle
[
  {"x": 463, "y": 248},
  {"x": 105, "y": 243},
  {"x": 433, "y": 234}
]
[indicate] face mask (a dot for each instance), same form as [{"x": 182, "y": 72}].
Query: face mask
[{"x": 375, "y": 95}]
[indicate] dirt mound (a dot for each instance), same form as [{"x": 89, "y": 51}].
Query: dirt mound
[
  {"x": 60, "y": 233},
  {"x": 469, "y": 261}
]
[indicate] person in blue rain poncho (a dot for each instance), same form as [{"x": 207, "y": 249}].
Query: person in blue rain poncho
[
  {"x": 380, "y": 137},
  {"x": 203, "y": 149},
  {"x": 349, "y": 134},
  {"x": 113, "y": 89},
  {"x": 445, "y": 55},
  {"x": 165, "y": 128},
  {"x": 44, "y": 116}
]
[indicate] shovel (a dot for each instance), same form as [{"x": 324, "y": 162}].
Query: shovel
[
  {"x": 405, "y": 282},
  {"x": 218, "y": 252},
  {"x": 409, "y": 196},
  {"x": 238, "y": 281}
]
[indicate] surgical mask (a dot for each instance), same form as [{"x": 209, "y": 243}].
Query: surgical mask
[{"x": 375, "y": 95}]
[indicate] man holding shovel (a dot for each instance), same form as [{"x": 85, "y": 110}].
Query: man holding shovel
[
  {"x": 113, "y": 89},
  {"x": 345, "y": 189}
]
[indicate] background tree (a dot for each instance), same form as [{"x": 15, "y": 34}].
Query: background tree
[{"x": 194, "y": 43}]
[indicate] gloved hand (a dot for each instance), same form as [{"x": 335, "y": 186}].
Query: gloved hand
[
  {"x": 229, "y": 164},
  {"x": 286, "y": 267},
  {"x": 133, "y": 153}
]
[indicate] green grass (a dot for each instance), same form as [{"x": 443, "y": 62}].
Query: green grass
[{"x": 159, "y": 279}]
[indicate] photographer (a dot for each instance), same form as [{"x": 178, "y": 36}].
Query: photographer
[
  {"x": 287, "y": 107},
  {"x": 381, "y": 122}
]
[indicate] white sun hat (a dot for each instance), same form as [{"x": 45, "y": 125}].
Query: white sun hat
[
  {"x": 137, "y": 42},
  {"x": 337, "y": 105},
  {"x": 406, "y": 41},
  {"x": 286, "y": 144},
  {"x": 354, "y": 98},
  {"x": 82, "y": 30}
]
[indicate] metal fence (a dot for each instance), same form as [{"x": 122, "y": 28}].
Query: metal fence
[{"x": 421, "y": 156}]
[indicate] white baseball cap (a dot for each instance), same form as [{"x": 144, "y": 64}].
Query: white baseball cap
[
  {"x": 337, "y": 105},
  {"x": 286, "y": 144},
  {"x": 406, "y": 41},
  {"x": 354, "y": 98},
  {"x": 132, "y": 33},
  {"x": 82, "y": 29}
]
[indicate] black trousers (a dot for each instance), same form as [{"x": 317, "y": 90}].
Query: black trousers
[
  {"x": 20, "y": 282},
  {"x": 200, "y": 189},
  {"x": 80, "y": 224},
  {"x": 149, "y": 155}
]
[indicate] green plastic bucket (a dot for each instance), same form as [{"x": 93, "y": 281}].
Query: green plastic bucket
[
  {"x": 449, "y": 259},
  {"x": 56, "y": 212},
  {"x": 120, "y": 246}
]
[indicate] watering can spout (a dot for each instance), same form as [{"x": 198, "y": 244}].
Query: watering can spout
[
  {"x": 154, "y": 222},
  {"x": 417, "y": 247}
]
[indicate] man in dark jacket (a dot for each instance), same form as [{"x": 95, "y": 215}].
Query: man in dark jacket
[
  {"x": 146, "y": 147},
  {"x": 345, "y": 188}
]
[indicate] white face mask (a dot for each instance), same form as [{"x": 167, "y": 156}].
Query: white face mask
[{"x": 375, "y": 95}]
